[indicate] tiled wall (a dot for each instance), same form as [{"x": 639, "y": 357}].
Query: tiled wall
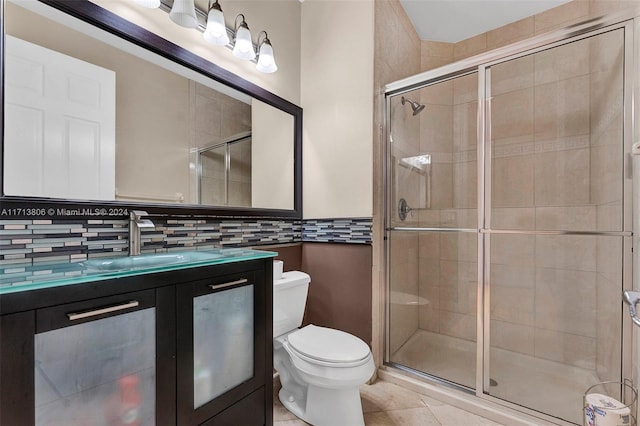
[
  {"x": 355, "y": 231},
  {"x": 23, "y": 242}
]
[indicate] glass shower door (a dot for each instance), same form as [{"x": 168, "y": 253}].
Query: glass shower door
[
  {"x": 555, "y": 234},
  {"x": 433, "y": 232}
]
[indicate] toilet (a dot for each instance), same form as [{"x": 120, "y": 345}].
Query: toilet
[{"x": 321, "y": 369}]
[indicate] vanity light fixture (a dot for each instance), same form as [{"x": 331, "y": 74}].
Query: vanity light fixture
[
  {"x": 183, "y": 13},
  {"x": 243, "y": 46},
  {"x": 266, "y": 61},
  {"x": 216, "y": 31}
]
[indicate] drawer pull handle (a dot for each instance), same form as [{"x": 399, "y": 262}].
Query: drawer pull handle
[
  {"x": 229, "y": 284},
  {"x": 87, "y": 314}
]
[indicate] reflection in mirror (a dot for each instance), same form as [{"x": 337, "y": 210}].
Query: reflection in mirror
[
  {"x": 89, "y": 116},
  {"x": 225, "y": 172}
]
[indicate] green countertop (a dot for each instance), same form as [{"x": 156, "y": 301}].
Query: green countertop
[{"x": 15, "y": 278}]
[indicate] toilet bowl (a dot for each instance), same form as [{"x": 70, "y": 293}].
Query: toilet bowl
[{"x": 321, "y": 369}]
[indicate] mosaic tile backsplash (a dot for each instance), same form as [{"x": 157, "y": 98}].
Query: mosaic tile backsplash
[
  {"x": 47, "y": 241},
  {"x": 337, "y": 230}
]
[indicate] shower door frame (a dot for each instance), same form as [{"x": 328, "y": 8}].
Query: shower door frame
[{"x": 481, "y": 64}]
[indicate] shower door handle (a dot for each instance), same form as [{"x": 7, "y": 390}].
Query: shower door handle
[{"x": 632, "y": 298}]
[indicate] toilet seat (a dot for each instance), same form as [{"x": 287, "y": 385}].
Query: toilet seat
[{"x": 328, "y": 347}]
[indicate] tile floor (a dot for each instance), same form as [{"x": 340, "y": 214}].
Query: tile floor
[{"x": 387, "y": 404}]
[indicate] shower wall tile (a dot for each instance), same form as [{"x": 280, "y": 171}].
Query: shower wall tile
[
  {"x": 465, "y": 185},
  {"x": 513, "y": 181},
  {"x": 561, "y": 16},
  {"x": 465, "y": 89},
  {"x": 603, "y": 7},
  {"x": 565, "y": 302},
  {"x": 436, "y": 129},
  {"x": 609, "y": 258},
  {"x": 458, "y": 325},
  {"x": 562, "y": 177},
  {"x": 562, "y": 63},
  {"x": 437, "y": 94},
  {"x": 470, "y": 47},
  {"x": 575, "y": 218},
  {"x": 565, "y": 348},
  {"x": 513, "y": 276},
  {"x": 465, "y": 130},
  {"x": 512, "y": 337},
  {"x": 516, "y": 250},
  {"x": 512, "y": 114},
  {"x": 459, "y": 246},
  {"x": 458, "y": 287},
  {"x": 606, "y": 174},
  {"x": 429, "y": 293},
  {"x": 514, "y": 305},
  {"x": 513, "y": 75},
  {"x": 607, "y": 52},
  {"x": 606, "y": 107},
  {"x": 513, "y": 218},
  {"x": 609, "y": 217},
  {"x": 442, "y": 186},
  {"x": 570, "y": 252},
  {"x": 510, "y": 33}
]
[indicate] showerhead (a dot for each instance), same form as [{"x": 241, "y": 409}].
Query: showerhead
[{"x": 416, "y": 107}]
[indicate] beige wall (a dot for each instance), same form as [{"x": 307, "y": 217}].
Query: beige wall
[{"x": 336, "y": 94}]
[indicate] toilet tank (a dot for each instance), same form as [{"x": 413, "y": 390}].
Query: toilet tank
[{"x": 289, "y": 300}]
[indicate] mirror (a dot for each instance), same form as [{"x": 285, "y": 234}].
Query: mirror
[{"x": 91, "y": 117}]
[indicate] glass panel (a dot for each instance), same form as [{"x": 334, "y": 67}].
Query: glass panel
[
  {"x": 240, "y": 173},
  {"x": 556, "y": 128},
  {"x": 555, "y": 308},
  {"x": 433, "y": 303},
  {"x": 213, "y": 172},
  {"x": 434, "y": 154},
  {"x": 433, "y": 275},
  {"x": 223, "y": 336},
  {"x": 99, "y": 372}
]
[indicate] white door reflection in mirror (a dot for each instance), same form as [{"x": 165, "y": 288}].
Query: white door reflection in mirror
[{"x": 59, "y": 125}]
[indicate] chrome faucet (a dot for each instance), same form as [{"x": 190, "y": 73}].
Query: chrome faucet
[{"x": 136, "y": 222}]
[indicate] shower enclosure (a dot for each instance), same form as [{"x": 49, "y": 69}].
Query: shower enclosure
[{"x": 508, "y": 220}]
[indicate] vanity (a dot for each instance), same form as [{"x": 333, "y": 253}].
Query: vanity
[{"x": 166, "y": 339}]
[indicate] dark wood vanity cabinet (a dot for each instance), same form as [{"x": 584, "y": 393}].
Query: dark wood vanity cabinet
[{"x": 184, "y": 347}]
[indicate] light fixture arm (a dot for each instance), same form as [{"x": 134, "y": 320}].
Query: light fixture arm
[
  {"x": 242, "y": 24},
  {"x": 265, "y": 40},
  {"x": 214, "y": 5}
]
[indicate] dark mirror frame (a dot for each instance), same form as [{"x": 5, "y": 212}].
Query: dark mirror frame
[{"x": 15, "y": 207}]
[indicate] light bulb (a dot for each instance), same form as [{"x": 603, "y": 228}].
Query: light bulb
[
  {"x": 216, "y": 31},
  {"x": 183, "y": 13},
  {"x": 266, "y": 61},
  {"x": 243, "y": 49}
]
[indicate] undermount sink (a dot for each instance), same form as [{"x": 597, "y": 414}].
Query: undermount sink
[{"x": 148, "y": 260}]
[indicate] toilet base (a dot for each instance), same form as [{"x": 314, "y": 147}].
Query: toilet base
[{"x": 326, "y": 407}]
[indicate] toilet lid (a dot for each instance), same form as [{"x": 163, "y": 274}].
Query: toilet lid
[{"x": 329, "y": 345}]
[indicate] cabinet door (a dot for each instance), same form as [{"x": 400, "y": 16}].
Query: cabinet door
[
  {"x": 221, "y": 346},
  {"x": 95, "y": 362}
]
